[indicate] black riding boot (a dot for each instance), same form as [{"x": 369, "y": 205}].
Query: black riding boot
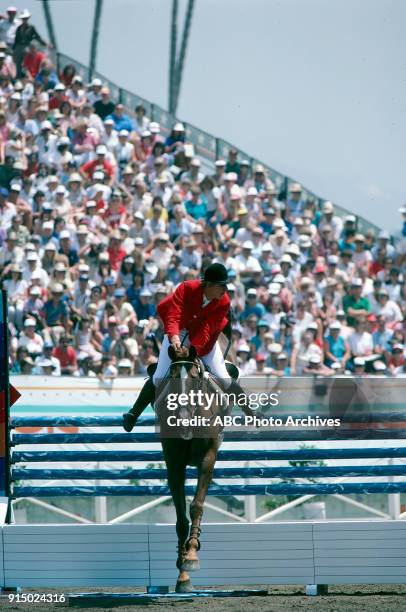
[
  {"x": 236, "y": 388},
  {"x": 146, "y": 396}
]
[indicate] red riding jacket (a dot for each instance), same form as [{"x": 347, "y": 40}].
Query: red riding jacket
[{"x": 183, "y": 309}]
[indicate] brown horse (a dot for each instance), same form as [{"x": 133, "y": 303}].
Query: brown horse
[{"x": 188, "y": 446}]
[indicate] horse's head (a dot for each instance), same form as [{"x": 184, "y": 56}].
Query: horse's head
[{"x": 185, "y": 363}]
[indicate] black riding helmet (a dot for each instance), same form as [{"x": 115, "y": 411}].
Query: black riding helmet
[{"x": 216, "y": 273}]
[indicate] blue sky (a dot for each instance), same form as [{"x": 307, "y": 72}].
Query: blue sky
[{"x": 314, "y": 88}]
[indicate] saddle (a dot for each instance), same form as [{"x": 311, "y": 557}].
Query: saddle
[{"x": 232, "y": 369}]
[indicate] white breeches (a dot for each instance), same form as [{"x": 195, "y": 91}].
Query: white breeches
[{"x": 214, "y": 360}]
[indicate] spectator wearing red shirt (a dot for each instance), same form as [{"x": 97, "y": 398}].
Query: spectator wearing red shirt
[
  {"x": 377, "y": 264},
  {"x": 33, "y": 60},
  {"x": 115, "y": 250},
  {"x": 397, "y": 359},
  {"x": 58, "y": 98},
  {"x": 100, "y": 163},
  {"x": 66, "y": 355},
  {"x": 116, "y": 213},
  {"x": 67, "y": 74}
]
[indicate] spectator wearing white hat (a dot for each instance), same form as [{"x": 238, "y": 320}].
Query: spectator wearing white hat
[
  {"x": 252, "y": 202},
  {"x": 140, "y": 230},
  {"x": 125, "y": 347},
  {"x": 58, "y": 97},
  {"x": 278, "y": 239},
  {"x": 100, "y": 163},
  {"x": 194, "y": 174},
  {"x": 94, "y": 91},
  {"x": 305, "y": 350},
  {"x": 33, "y": 304},
  {"x": 295, "y": 204},
  {"x": 245, "y": 262},
  {"x": 76, "y": 192},
  {"x": 246, "y": 363},
  {"x": 16, "y": 288},
  {"x": 66, "y": 248},
  {"x": 49, "y": 360},
  {"x": 49, "y": 251},
  {"x": 271, "y": 199},
  {"x": 62, "y": 206},
  {"x": 176, "y": 137},
  {"x": 46, "y": 142},
  {"x": 336, "y": 348},
  {"x": 362, "y": 257},
  {"x": 315, "y": 366},
  {"x": 190, "y": 256},
  {"x": 88, "y": 340},
  {"x": 329, "y": 218},
  {"x": 266, "y": 259},
  {"x": 32, "y": 267},
  {"x": 219, "y": 172},
  {"x": 7, "y": 66},
  {"x": 361, "y": 342},
  {"x": 162, "y": 252},
  {"x": 85, "y": 365},
  {"x": 252, "y": 305},
  {"x": 123, "y": 151},
  {"x": 109, "y": 135},
  {"x": 25, "y": 33},
  {"x": 124, "y": 368},
  {"x": 29, "y": 339},
  {"x": 10, "y": 251},
  {"x": 243, "y": 226},
  {"x": 162, "y": 189},
  {"x": 259, "y": 180},
  {"x": 8, "y": 26}
]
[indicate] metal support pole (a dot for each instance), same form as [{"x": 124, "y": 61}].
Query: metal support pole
[
  {"x": 172, "y": 55},
  {"x": 393, "y": 498},
  {"x": 182, "y": 54},
  {"x": 250, "y": 502},
  {"x": 100, "y": 509},
  {"x": 95, "y": 36},
  {"x": 49, "y": 22}
]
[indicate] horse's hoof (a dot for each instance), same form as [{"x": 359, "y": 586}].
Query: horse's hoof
[
  {"x": 129, "y": 421},
  {"x": 184, "y": 586},
  {"x": 190, "y": 565}
]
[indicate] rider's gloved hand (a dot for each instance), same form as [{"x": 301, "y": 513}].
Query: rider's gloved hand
[
  {"x": 175, "y": 342},
  {"x": 180, "y": 352}
]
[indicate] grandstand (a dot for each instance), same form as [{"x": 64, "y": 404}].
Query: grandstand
[{"x": 107, "y": 202}]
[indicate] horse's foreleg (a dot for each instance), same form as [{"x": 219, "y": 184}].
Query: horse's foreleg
[
  {"x": 176, "y": 480},
  {"x": 205, "y": 473}
]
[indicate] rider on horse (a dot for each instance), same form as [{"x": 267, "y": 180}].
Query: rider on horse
[{"x": 194, "y": 314}]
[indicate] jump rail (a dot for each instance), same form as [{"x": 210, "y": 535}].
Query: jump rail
[{"x": 29, "y": 481}]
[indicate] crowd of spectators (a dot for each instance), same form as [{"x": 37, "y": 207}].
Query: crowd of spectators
[{"x": 102, "y": 214}]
